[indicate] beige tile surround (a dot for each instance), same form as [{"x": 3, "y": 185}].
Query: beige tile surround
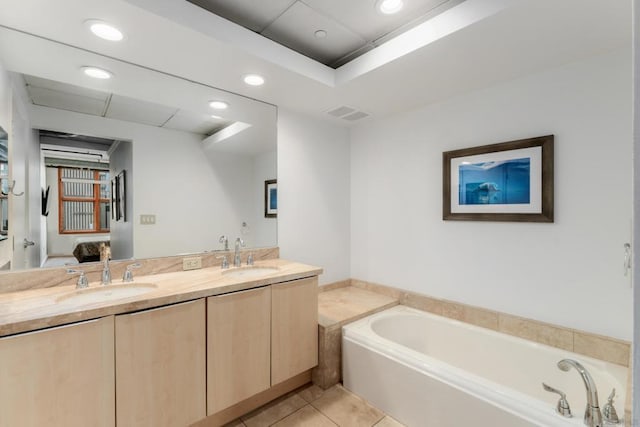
[
  {"x": 56, "y": 276},
  {"x": 597, "y": 346},
  {"x": 339, "y": 304}
]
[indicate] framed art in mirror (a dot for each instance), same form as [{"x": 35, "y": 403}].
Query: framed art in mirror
[
  {"x": 508, "y": 181},
  {"x": 119, "y": 196},
  {"x": 271, "y": 198}
]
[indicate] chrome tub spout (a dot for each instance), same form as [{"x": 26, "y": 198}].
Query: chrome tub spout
[{"x": 592, "y": 413}]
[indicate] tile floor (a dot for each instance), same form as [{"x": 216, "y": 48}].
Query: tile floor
[{"x": 310, "y": 406}]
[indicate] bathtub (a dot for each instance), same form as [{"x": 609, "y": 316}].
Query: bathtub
[{"x": 428, "y": 370}]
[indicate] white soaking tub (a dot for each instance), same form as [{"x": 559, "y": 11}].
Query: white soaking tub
[{"x": 427, "y": 370}]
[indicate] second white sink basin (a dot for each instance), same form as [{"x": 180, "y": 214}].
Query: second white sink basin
[
  {"x": 106, "y": 293},
  {"x": 250, "y": 271}
]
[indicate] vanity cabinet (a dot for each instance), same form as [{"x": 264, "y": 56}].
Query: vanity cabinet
[
  {"x": 294, "y": 328},
  {"x": 61, "y": 376},
  {"x": 160, "y": 366},
  {"x": 256, "y": 340},
  {"x": 205, "y": 362},
  {"x": 238, "y": 347}
]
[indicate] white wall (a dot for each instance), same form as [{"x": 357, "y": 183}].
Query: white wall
[
  {"x": 196, "y": 194},
  {"x": 313, "y": 194},
  {"x": 121, "y": 159},
  {"x": 6, "y": 250},
  {"x": 24, "y": 211},
  {"x": 636, "y": 211},
  {"x": 263, "y": 230},
  {"x": 569, "y": 272}
]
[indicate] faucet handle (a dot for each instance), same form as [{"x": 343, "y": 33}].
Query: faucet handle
[
  {"x": 82, "y": 279},
  {"x": 250, "y": 258},
  {"x": 223, "y": 239},
  {"x": 563, "y": 406},
  {"x": 225, "y": 261},
  {"x": 128, "y": 274},
  {"x": 609, "y": 411}
]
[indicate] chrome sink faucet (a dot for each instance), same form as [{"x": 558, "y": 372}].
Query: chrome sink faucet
[
  {"x": 106, "y": 273},
  {"x": 592, "y": 413},
  {"x": 237, "y": 261}
]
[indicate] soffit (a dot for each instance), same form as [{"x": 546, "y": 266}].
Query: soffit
[{"x": 352, "y": 27}]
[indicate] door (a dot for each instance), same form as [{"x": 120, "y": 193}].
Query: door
[
  {"x": 59, "y": 377},
  {"x": 294, "y": 328},
  {"x": 160, "y": 366},
  {"x": 238, "y": 347}
]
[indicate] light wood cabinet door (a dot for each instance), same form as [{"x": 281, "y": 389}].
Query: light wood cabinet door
[
  {"x": 59, "y": 377},
  {"x": 160, "y": 366},
  {"x": 294, "y": 328},
  {"x": 238, "y": 347}
]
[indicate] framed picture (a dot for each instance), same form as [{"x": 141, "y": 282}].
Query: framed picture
[
  {"x": 114, "y": 198},
  {"x": 121, "y": 204},
  {"x": 509, "y": 181},
  {"x": 271, "y": 198}
]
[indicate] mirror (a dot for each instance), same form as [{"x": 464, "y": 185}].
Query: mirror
[
  {"x": 4, "y": 185},
  {"x": 187, "y": 177}
]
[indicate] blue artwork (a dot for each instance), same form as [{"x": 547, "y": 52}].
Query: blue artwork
[
  {"x": 490, "y": 183},
  {"x": 273, "y": 199}
]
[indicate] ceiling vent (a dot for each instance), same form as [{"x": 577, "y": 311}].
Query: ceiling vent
[{"x": 349, "y": 114}]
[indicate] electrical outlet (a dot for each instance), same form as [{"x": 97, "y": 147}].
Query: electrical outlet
[
  {"x": 192, "y": 263},
  {"x": 148, "y": 219}
]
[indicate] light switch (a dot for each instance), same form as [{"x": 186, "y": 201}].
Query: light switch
[{"x": 147, "y": 219}]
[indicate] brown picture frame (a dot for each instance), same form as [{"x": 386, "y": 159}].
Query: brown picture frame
[
  {"x": 538, "y": 150},
  {"x": 119, "y": 196},
  {"x": 271, "y": 198}
]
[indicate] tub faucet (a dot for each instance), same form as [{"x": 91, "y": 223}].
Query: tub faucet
[
  {"x": 592, "y": 414},
  {"x": 237, "y": 261}
]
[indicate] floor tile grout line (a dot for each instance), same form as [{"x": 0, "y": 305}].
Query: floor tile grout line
[
  {"x": 291, "y": 414},
  {"x": 300, "y": 409}
]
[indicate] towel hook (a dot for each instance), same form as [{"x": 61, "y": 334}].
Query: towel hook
[{"x": 12, "y": 187}]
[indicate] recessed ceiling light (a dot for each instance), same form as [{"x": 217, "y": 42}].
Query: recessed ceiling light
[
  {"x": 254, "y": 80},
  {"x": 389, "y": 7},
  {"x": 104, "y": 30},
  {"x": 218, "y": 105},
  {"x": 97, "y": 73},
  {"x": 320, "y": 34}
]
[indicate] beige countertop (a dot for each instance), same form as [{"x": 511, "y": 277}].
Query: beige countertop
[{"x": 34, "y": 309}]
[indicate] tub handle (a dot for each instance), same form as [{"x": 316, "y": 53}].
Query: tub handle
[
  {"x": 609, "y": 411},
  {"x": 563, "y": 406}
]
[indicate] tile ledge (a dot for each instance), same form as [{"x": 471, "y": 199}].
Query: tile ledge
[{"x": 435, "y": 306}]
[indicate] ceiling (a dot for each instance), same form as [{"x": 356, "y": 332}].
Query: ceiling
[
  {"x": 470, "y": 46},
  {"x": 348, "y": 28},
  {"x": 54, "y": 94}
]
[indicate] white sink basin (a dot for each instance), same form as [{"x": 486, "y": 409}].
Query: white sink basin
[
  {"x": 106, "y": 293},
  {"x": 246, "y": 272}
]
